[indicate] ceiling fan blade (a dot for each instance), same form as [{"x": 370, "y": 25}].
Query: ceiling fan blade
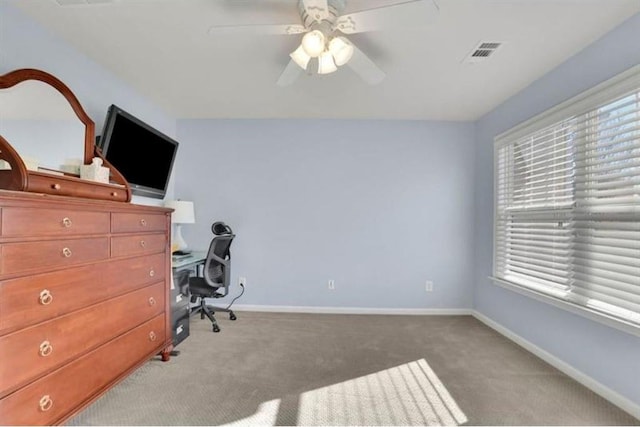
[
  {"x": 365, "y": 67},
  {"x": 291, "y": 72},
  {"x": 317, "y": 9},
  {"x": 270, "y": 29},
  {"x": 407, "y": 14}
]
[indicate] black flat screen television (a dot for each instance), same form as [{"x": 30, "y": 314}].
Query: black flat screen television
[{"x": 142, "y": 154}]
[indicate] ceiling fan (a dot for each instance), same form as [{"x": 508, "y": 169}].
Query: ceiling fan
[{"x": 324, "y": 46}]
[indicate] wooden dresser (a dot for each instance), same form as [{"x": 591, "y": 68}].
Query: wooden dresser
[{"x": 84, "y": 288}]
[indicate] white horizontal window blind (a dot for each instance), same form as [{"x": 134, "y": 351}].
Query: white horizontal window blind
[{"x": 567, "y": 204}]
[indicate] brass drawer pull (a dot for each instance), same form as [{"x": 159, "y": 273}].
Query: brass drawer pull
[
  {"x": 46, "y": 297},
  {"x": 67, "y": 222},
  {"x": 143, "y": 243},
  {"x": 152, "y": 273},
  {"x": 114, "y": 193},
  {"x": 55, "y": 186},
  {"x": 45, "y": 348},
  {"x": 143, "y": 222},
  {"x": 66, "y": 252},
  {"x": 152, "y": 301},
  {"x": 152, "y": 336},
  {"x": 45, "y": 403}
]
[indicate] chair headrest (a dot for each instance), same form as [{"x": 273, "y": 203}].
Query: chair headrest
[{"x": 219, "y": 228}]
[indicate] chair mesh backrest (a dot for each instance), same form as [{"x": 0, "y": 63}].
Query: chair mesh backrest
[{"x": 220, "y": 247}]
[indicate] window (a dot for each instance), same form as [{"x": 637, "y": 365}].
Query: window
[{"x": 567, "y": 202}]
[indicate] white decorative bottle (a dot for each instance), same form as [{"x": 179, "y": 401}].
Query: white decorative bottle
[{"x": 95, "y": 171}]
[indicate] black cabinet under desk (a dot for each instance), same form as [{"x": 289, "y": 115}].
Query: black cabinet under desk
[
  {"x": 180, "y": 305},
  {"x": 182, "y": 269}
]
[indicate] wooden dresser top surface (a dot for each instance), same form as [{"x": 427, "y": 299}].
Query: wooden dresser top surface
[{"x": 23, "y": 198}]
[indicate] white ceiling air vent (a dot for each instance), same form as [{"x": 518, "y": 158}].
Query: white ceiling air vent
[
  {"x": 83, "y": 2},
  {"x": 482, "y": 52}
]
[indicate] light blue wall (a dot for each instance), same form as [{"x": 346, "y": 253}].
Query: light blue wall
[
  {"x": 607, "y": 355},
  {"x": 26, "y": 44},
  {"x": 377, "y": 206}
]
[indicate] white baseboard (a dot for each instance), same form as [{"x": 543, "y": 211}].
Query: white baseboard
[
  {"x": 355, "y": 310},
  {"x": 598, "y": 388}
]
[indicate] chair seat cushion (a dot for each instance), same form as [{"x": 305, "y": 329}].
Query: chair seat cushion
[{"x": 198, "y": 287}]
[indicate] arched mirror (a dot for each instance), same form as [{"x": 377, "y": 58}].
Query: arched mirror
[
  {"x": 45, "y": 136},
  {"x": 41, "y": 126}
]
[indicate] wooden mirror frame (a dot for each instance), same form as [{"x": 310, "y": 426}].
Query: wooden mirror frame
[{"x": 19, "y": 178}]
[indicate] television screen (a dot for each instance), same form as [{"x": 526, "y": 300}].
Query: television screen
[{"x": 142, "y": 154}]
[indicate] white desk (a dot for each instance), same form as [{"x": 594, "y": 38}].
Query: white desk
[{"x": 189, "y": 261}]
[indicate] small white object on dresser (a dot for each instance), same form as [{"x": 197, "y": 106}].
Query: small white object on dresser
[{"x": 95, "y": 171}]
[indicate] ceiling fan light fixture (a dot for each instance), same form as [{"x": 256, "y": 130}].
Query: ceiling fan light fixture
[
  {"x": 300, "y": 57},
  {"x": 341, "y": 49},
  {"x": 325, "y": 63},
  {"x": 314, "y": 43}
]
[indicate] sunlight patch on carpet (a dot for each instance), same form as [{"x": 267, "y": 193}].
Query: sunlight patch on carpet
[
  {"x": 266, "y": 415},
  {"x": 409, "y": 394}
]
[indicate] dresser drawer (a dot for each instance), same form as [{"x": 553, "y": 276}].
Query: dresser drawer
[
  {"x": 29, "y": 300},
  {"x": 50, "y": 399},
  {"x": 29, "y": 353},
  {"x": 138, "y": 244},
  {"x": 134, "y": 222},
  {"x": 21, "y": 222},
  {"x": 134, "y": 272},
  {"x": 33, "y": 299},
  {"x": 19, "y": 257},
  {"x": 40, "y": 182}
]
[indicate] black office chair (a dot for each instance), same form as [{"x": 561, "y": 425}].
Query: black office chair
[{"x": 215, "y": 277}]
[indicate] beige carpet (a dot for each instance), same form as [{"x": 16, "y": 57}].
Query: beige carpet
[{"x": 318, "y": 369}]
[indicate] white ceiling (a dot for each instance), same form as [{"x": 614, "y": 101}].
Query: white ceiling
[{"x": 163, "y": 49}]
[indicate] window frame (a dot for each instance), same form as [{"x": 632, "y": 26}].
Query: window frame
[{"x": 583, "y": 103}]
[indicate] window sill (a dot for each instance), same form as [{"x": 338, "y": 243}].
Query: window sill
[{"x": 596, "y": 316}]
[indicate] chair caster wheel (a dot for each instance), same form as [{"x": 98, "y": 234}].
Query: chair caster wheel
[
  {"x": 232, "y": 316},
  {"x": 216, "y": 328}
]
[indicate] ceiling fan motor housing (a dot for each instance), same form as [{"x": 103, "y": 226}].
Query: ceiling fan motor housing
[{"x": 315, "y": 18}]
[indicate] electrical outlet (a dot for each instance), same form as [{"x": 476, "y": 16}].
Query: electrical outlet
[
  {"x": 331, "y": 284},
  {"x": 428, "y": 286},
  {"x": 242, "y": 281}
]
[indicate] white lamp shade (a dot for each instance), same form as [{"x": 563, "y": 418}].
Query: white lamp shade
[
  {"x": 313, "y": 43},
  {"x": 300, "y": 57},
  {"x": 183, "y": 212},
  {"x": 341, "y": 49},
  {"x": 326, "y": 64}
]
